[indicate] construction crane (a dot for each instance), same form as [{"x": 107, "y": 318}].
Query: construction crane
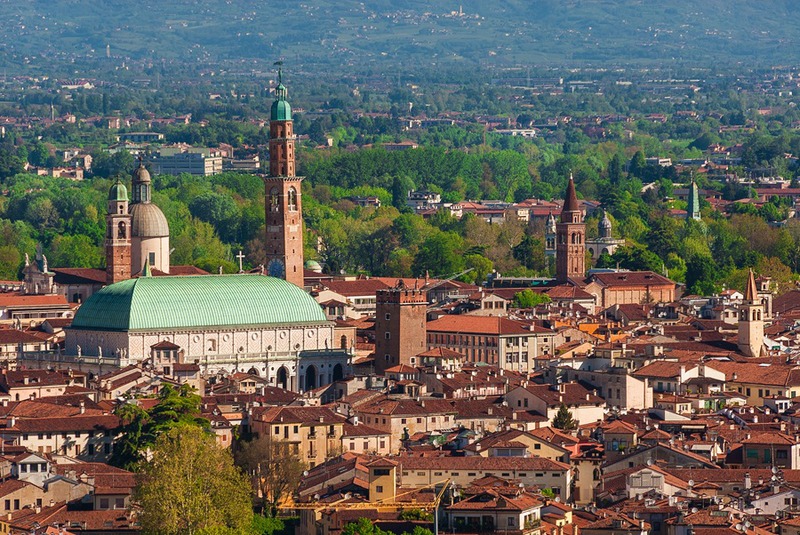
[{"x": 386, "y": 504}]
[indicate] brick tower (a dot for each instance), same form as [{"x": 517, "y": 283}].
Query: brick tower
[
  {"x": 400, "y": 330},
  {"x": 751, "y": 320},
  {"x": 284, "y": 215},
  {"x": 570, "y": 239},
  {"x": 118, "y": 235}
]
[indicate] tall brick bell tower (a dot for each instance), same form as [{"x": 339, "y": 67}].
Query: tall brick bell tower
[
  {"x": 284, "y": 215},
  {"x": 118, "y": 235},
  {"x": 570, "y": 239}
]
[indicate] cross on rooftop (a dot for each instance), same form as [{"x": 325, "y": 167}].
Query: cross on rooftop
[{"x": 240, "y": 256}]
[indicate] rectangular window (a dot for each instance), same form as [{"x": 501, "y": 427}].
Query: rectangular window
[
  {"x": 8, "y": 505},
  {"x": 152, "y": 258},
  {"x": 119, "y": 503},
  {"x": 103, "y": 503},
  {"x": 379, "y": 488}
]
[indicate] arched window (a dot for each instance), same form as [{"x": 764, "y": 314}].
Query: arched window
[
  {"x": 274, "y": 199},
  {"x": 292, "y": 201},
  {"x": 343, "y": 342},
  {"x": 122, "y": 231}
]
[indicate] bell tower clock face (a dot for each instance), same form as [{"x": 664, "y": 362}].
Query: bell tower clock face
[{"x": 275, "y": 268}]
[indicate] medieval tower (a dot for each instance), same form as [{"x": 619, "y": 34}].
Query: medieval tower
[
  {"x": 400, "y": 330},
  {"x": 284, "y": 239},
  {"x": 751, "y": 321},
  {"x": 570, "y": 239},
  {"x": 118, "y": 235}
]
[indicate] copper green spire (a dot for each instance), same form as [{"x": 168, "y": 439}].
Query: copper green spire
[{"x": 281, "y": 111}]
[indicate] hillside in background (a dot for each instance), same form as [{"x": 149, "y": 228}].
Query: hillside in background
[{"x": 403, "y": 34}]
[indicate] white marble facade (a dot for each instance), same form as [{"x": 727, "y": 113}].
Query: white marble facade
[{"x": 306, "y": 353}]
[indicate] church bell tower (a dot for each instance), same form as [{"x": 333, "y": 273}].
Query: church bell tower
[
  {"x": 118, "y": 235},
  {"x": 284, "y": 216},
  {"x": 570, "y": 239},
  {"x": 751, "y": 320}
]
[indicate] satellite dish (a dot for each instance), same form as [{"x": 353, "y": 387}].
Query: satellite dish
[
  {"x": 558, "y": 499},
  {"x": 694, "y": 510},
  {"x": 649, "y": 462},
  {"x": 305, "y": 473},
  {"x": 316, "y": 496},
  {"x": 691, "y": 484},
  {"x": 748, "y": 525},
  {"x": 739, "y": 527},
  {"x": 774, "y": 470}
]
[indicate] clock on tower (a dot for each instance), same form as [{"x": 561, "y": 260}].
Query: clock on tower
[{"x": 275, "y": 268}]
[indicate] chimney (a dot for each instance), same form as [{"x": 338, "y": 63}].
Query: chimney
[
  {"x": 83, "y": 407},
  {"x": 747, "y": 481},
  {"x": 13, "y": 421},
  {"x": 5, "y": 402}
]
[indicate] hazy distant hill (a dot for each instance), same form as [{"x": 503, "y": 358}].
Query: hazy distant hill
[{"x": 382, "y": 32}]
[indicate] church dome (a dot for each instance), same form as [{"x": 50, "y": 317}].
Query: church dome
[
  {"x": 118, "y": 192},
  {"x": 605, "y": 223},
  {"x": 194, "y": 302},
  {"x": 148, "y": 221},
  {"x": 281, "y": 111},
  {"x": 313, "y": 265},
  {"x": 141, "y": 174}
]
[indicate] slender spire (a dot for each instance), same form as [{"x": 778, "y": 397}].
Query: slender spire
[
  {"x": 571, "y": 199},
  {"x": 751, "y": 292}
]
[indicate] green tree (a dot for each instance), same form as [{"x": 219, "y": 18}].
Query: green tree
[
  {"x": 638, "y": 165},
  {"x": 191, "y": 484},
  {"x": 563, "y": 419},
  {"x": 480, "y": 265},
  {"x": 530, "y": 299},
  {"x": 701, "y": 275},
  {"x": 177, "y": 408},
  {"x": 274, "y": 470},
  {"x": 440, "y": 255},
  {"x": 530, "y": 253}
]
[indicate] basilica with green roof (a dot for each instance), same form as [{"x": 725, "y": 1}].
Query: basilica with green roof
[{"x": 261, "y": 324}]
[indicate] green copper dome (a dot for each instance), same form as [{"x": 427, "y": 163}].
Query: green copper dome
[
  {"x": 118, "y": 192},
  {"x": 191, "y": 302},
  {"x": 281, "y": 111}
]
